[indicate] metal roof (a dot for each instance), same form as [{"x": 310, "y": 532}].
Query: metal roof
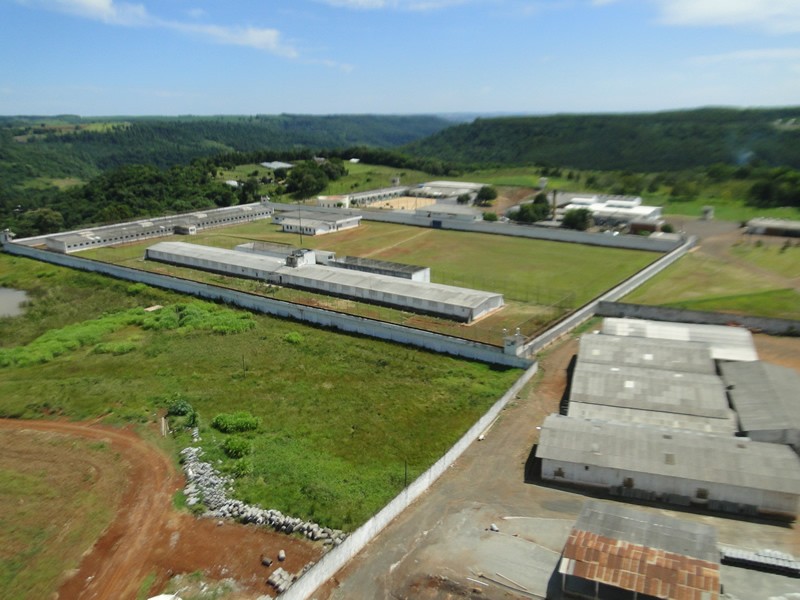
[
  {"x": 616, "y": 414},
  {"x": 309, "y": 216},
  {"x": 656, "y": 555},
  {"x": 383, "y": 284},
  {"x": 698, "y": 457},
  {"x": 726, "y": 343},
  {"x": 653, "y": 530},
  {"x": 696, "y": 394},
  {"x": 765, "y": 396},
  {"x": 385, "y": 265},
  {"x": 386, "y": 284},
  {"x": 678, "y": 356}
]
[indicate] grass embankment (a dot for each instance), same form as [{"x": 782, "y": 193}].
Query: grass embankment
[
  {"x": 715, "y": 283},
  {"x": 540, "y": 280},
  {"x": 339, "y": 415},
  {"x": 57, "y": 494}
]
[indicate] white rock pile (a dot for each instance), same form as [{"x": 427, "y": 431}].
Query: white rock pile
[{"x": 205, "y": 484}]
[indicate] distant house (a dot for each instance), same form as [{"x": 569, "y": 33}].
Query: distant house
[
  {"x": 276, "y": 164},
  {"x": 232, "y": 183}
]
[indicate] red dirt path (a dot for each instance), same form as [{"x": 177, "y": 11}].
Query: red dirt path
[{"x": 148, "y": 536}]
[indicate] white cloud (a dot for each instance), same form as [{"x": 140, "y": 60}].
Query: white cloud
[
  {"x": 775, "y": 16},
  {"x": 130, "y": 15},
  {"x": 420, "y": 5},
  {"x": 758, "y": 55}
]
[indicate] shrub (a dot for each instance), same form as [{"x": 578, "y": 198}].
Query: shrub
[
  {"x": 293, "y": 338},
  {"x": 179, "y": 406},
  {"x": 236, "y": 447},
  {"x": 235, "y": 422}
]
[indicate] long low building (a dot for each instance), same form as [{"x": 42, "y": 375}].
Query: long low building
[
  {"x": 144, "y": 229},
  {"x": 723, "y": 473},
  {"x": 726, "y": 343},
  {"x": 462, "y": 304},
  {"x": 669, "y": 355},
  {"x": 767, "y": 400}
]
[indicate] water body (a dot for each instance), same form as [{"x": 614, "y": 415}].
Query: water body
[{"x": 11, "y": 302}]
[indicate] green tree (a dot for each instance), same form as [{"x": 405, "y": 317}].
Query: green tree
[
  {"x": 40, "y": 221},
  {"x": 306, "y": 179},
  {"x": 485, "y": 195},
  {"x": 577, "y": 218},
  {"x": 490, "y": 217}
]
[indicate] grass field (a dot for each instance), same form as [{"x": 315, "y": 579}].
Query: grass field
[
  {"x": 702, "y": 282},
  {"x": 340, "y": 416},
  {"x": 57, "y": 493},
  {"x": 540, "y": 280}
]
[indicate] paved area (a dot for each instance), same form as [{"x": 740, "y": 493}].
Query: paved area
[{"x": 443, "y": 546}]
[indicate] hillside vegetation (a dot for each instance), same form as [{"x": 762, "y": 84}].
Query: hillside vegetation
[{"x": 666, "y": 141}]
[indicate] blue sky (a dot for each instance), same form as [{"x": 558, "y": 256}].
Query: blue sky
[{"x": 175, "y": 57}]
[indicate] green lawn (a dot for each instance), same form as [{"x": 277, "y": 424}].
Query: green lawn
[
  {"x": 702, "y": 282},
  {"x": 340, "y": 415}
]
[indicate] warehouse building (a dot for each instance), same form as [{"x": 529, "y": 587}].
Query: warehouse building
[
  {"x": 445, "y": 189},
  {"x": 694, "y": 401},
  {"x": 725, "y": 343},
  {"x": 283, "y": 251},
  {"x": 315, "y": 223},
  {"x": 617, "y": 552},
  {"x": 729, "y": 474},
  {"x": 619, "y": 351},
  {"x": 384, "y": 267},
  {"x": 614, "y": 210},
  {"x": 767, "y": 401},
  {"x": 299, "y": 270},
  {"x": 779, "y": 227},
  {"x": 183, "y": 224}
]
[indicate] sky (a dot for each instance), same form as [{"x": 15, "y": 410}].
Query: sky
[{"x": 204, "y": 57}]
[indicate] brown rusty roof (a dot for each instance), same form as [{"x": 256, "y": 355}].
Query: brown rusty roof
[{"x": 638, "y": 568}]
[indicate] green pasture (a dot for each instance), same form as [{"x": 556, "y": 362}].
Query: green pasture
[
  {"x": 702, "y": 282},
  {"x": 340, "y": 416},
  {"x": 362, "y": 177}
]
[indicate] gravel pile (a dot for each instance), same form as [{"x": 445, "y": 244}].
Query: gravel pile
[{"x": 205, "y": 484}]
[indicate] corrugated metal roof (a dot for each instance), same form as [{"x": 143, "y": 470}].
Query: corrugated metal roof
[
  {"x": 765, "y": 396},
  {"x": 696, "y": 394},
  {"x": 616, "y": 414},
  {"x": 383, "y": 284},
  {"x": 672, "y": 453},
  {"x": 678, "y": 356},
  {"x": 726, "y": 343},
  {"x": 623, "y": 548}
]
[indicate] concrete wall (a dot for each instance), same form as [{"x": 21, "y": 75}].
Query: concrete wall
[
  {"x": 326, "y": 318},
  {"x": 630, "y": 242},
  {"x": 659, "y": 313},
  {"x": 338, "y": 557}
]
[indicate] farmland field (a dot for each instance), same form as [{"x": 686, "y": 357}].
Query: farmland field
[
  {"x": 341, "y": 417},
  {"x": 540, "y": 280}
]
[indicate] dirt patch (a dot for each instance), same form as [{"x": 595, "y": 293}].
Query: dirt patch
[
  {"x": 404, "y": 203},
  {"x": 508, "y": 197},
  {"x": 783, "y": 351},
  {"x": 149, "y": 538}
]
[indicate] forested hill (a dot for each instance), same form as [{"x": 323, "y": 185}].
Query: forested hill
[
  {"x": 665, "y": 141},
  {"x": 71, "y": 146}
]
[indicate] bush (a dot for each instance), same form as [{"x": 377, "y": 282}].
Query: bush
[
  {"x": 489, "y": 217},
  {"x": 293, "y": 338},
  {"x": 179, "y": 406},
  {"x": 235, "y": 422},
  {"x": 242, "y": 468},
  {"x": 236, "y": 447}
]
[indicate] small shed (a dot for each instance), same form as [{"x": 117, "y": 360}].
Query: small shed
[{"x": 617, "y": 552}]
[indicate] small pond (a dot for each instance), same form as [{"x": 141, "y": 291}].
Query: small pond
[{"x": 11, "y": 302}]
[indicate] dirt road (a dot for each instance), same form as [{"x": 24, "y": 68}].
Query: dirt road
[{"x": 149, "y": 538}]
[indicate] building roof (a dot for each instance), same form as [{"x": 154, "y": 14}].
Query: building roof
[
  {"x": 397, "y": 189},
  {"x": 765, "y": 396},
  {"x": 732, "y": 461},
  {"x": 677, "y": 356},
  {"x": 647, "y": 553},
  {"x": 385, "y": 265},
  {"x": 384, "y": 284},
  {"x": 276, "y": 164},
  {"x": 633, "y": 416},
  {"x": 726, "y": 343},
  {"x": 696, "y": 394},
  {"x": 450, "y": 209},
  {"x": 309, "y": 216},
  {"x": 774, "y": 223}
]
